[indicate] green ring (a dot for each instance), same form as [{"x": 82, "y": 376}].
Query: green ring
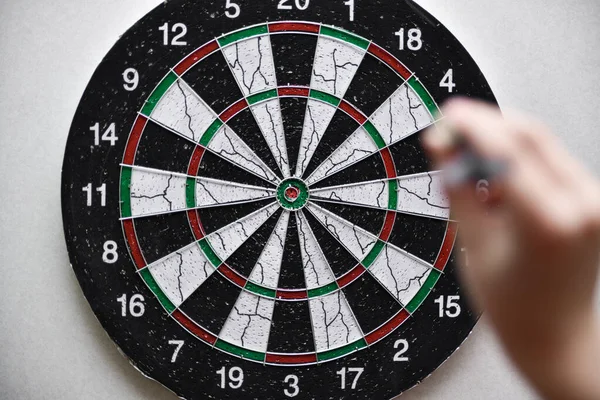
[{"x": 300, "y": 201}]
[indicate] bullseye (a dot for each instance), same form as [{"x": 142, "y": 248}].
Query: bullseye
[{"x": 292, "y": 194}]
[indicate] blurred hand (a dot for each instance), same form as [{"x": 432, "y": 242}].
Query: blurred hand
[{"x": 533, "y": 252}]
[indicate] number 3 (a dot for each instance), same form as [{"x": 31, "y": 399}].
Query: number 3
[{"x": 291, "y": 380}]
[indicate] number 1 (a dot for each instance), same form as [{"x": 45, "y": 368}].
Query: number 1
[{"x": 350, "y": 3}]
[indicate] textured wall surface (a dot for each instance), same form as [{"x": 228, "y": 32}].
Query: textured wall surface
[{"x": 539, "y": 55}]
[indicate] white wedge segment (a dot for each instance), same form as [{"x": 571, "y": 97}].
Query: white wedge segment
[
  {"x": 181, "y": 110},
  {"x": 424, "y": 194},
  {"x": 228, "y": 145},
  {"x": 251, "y": 61},
  {"x": 317, "y": 271},
  {"x": 372, "y": 194},
  {"x": 357, "y": 147},
  {"x": 269, "y": 119},
  {"x": 401, "y": 275},
  {"x": 317, "y": 119},
  {"x": 266, "y": 270},
  {"x": 401, "y": 115},
  {"x": 156, "y": 193},
  {"x": 180, "y": 274},
  {"x": 249, "y": 322},
  {"x": 227, "y": 240},
  {"x": 356, "y": 240},
  {"x": 334, "y": 324},
  {"x": 335, "y": 65},
  {"x": 211, "y": 192}
]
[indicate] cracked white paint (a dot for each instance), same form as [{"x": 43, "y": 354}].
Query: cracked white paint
[
  {"x": 228, "y": 239},
  {"x": 228, "y": 145},
  {"x": 372, "y": 194},
  {"x": 356, "y": 240},
  {"x": 269, "y": 119},
  {"x": 249, "y": 322},
  {"x": 423, "y": 194},
  {"x": 251, "y": 61},
  {"x": 153, "y": 192},
  {"x": 317, "y": 119},
  {"x": 211, "y": 192},
  {"x": 317, "y": 271},
  {"x": 266, "y": 270},
  {"x": 357, "y": 147},
  {"x": 181, "y": 273},
  {"x": 401, "y": 275},
  {"x": 401, "y": 115},
  {"x": 335, "y": 65},
  {"x": 333, "y": 323},
  {"x": 182, "y": 110}
]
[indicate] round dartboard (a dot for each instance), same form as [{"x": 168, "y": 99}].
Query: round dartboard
[{"x": 247, "y": 204}]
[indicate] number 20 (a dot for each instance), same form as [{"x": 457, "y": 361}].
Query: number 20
[{"x": 300, "y": 5}]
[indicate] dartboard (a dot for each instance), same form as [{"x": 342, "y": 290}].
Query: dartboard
[{"x": 247, "y": 204}]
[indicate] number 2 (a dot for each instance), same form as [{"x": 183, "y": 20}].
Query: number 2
[{"x": 403, "y": 345}]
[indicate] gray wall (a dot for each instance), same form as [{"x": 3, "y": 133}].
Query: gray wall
[{"x": 539, "y": 55}]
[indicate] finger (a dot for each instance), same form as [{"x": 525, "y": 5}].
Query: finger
[{"x": 546, "y": 148}]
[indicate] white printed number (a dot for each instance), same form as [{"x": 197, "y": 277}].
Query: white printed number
[
  {"x": 450, "y": 307},
  {"x": 482, "y": 190},
  {"x": 178, "y": 345},
  {"x": 232, "y": 10},
  {"x": 350, "y": 4},
  {"x": 136, "y": 305},
  {"x": 109, "y": 135},
  {"x": 300, "y": 5},
  {"x": 294, "y": 389},
  {"x": 410, "y": 39},
  {"x": 346, "y": 371},
  {"x": 235, "y": 375},
  {"x": 402, "y": 345},
  {"x": 448, "y": 81},
  {"x": 131, "y": 78},
  {"x": 179, "y": 29},
  {"x": 110, "y": 255},
  {"x": 88, "y": 189}
]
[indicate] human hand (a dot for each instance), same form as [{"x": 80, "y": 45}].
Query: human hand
[{"x": 533, "y": 250}]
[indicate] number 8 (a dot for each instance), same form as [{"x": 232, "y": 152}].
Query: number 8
[{"x": 110, "y": 255}]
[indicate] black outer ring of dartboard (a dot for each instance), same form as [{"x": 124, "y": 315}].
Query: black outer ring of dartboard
[{"x": 86, "y": 229}]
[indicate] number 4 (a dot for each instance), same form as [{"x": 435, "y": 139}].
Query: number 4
[
  {"x": 450, "y": 308},
  {"x": 448, "y": 81}
]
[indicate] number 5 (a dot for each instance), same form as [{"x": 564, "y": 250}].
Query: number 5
[{"x": 236, "y": 9}]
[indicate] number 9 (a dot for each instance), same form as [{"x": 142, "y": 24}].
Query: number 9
[{"x": 131, "y": 78}]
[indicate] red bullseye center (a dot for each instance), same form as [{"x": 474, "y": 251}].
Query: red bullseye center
[{"x": 292, "y": 193}]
